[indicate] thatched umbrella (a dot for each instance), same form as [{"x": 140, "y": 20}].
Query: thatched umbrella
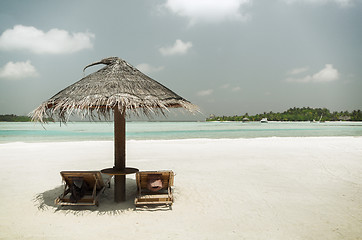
[{"x": 119, "y": 88}]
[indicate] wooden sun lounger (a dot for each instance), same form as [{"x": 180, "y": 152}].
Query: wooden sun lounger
[
  {"x": 161, "y": 197},
  {"x": 96, "y": 183}
]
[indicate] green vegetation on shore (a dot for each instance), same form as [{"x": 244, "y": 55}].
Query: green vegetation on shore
[
  {"x": 292, "y": 114},
  {"x": 296, "y": 114},
  {"x": 15, "y": 118}
]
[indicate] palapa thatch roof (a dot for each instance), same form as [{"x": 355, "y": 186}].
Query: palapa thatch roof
[{"x": 118, "y": 84}]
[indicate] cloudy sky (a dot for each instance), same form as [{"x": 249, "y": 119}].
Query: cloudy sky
[{"x": 229, "y": 57}]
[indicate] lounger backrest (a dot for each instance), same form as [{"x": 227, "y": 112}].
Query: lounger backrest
[
  {"x": 90, "y": 177},
  {"x": 167, "y": 178}
]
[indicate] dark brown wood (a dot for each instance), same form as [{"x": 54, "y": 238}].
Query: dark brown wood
[
  {"x": 119, "y": 139},
  {"x": 119, "y": 188},
  {"x": 119, "y": 154},
  {"x": 125, "y": 171}
]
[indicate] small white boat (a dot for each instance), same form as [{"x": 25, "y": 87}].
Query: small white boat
[
  {"x": 264, "y": 120},
  {"x": 314, "y": 121}
]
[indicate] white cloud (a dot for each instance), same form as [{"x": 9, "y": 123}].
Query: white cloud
[
  {"x": 18, "y": 70},
  {"x": 209, "y": 10},
  {"x": 296, "y": 71},
  {"x": 300, "y": 79},
  {"x": 147, "y": 68},
  {"x": 225, "y": 86},
  {"x": 341, "y": 3},
  {"x": 236, "y": 89},
  {"x": 206, "y": 92},
  {"x": 327, "y": 74},
  {"x": 229, "y": 88},
  {"x": 179, "y": 48},
  {"x": 55, "y": 41}
]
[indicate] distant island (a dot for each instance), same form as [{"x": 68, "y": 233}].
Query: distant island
[
  {"x": 15, "y": 118},
  {"x": 292, "y": 114},
  {"x": 295, "y": 114}
]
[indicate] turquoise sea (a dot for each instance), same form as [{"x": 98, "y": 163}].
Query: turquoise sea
[{"x": 99, "y": 131}]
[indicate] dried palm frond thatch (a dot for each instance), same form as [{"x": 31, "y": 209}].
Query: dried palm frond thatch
[{"x": 118, "y": 84}]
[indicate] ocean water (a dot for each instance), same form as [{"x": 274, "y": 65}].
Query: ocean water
[{"x": 99, "y": 131}]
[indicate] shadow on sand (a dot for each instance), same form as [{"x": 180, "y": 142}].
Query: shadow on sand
[{"x": 45, "y": 202}]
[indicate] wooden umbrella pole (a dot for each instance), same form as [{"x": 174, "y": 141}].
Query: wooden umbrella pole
[{"x": 119, "y": 154}]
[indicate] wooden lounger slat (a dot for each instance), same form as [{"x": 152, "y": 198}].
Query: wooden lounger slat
[
  {"x": 95, "y": 182},
  {"x": 146, "y": 197},
  {"x": 154, "y": 199}
]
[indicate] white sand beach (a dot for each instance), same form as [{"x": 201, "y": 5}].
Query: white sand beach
[{"x": 261, "y": 188}]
